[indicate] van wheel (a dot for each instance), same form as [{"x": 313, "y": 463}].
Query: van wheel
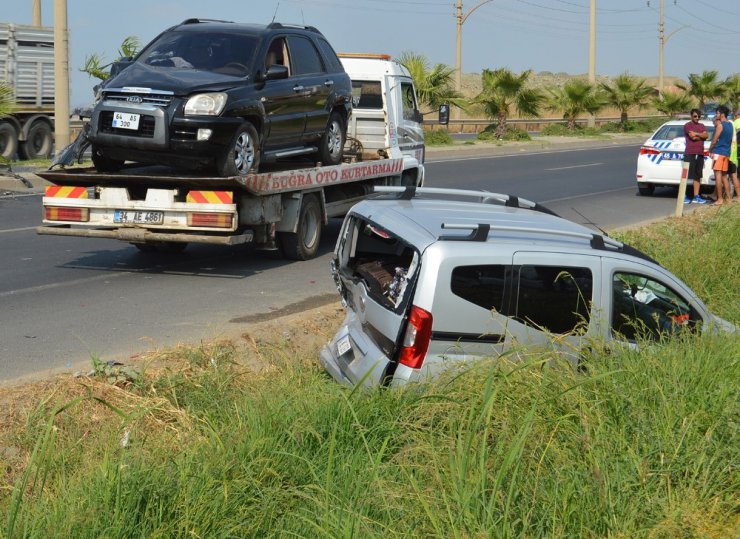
[
  {"x": 38, "y": 143},
  {"x": 165, "y": 247},
  {"x": 646, "y": 189},
  {"x": 8, "y": 140},
  {"x": 103, "y": 163},
  {"x": 303, "y": 244},
  {"x": 242, "y": 156},
  {"x": 331, "y": 146}
]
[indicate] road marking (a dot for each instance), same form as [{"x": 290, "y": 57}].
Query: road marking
[
  {"x": 72, "y": 282},
  {"x": 588, "y": 195},
  {"x": 576, "y": 166},
  {"x": 17, "y": 229},
  {"x": 525, "y": 152}
]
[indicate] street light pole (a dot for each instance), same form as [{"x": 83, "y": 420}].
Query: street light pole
[
  {"x": 592, "y": 54},
  {"x": 61, "y": 76},
  {"x": 661, "y": 44},
  {"x": 37, "y": 13},
  {"x": 461, "y": 18}
]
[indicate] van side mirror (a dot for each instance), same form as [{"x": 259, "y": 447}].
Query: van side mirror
[
  {"x": 444, "y": 114},
  {"x": 120, "y": 65}
]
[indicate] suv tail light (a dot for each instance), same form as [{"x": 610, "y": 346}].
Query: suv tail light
[
  {"x": 416, "y": 339},
  {"x": 648, "y": 150}
]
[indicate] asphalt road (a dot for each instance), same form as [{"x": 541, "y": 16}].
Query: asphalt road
[{"x": 63, "y": 300}]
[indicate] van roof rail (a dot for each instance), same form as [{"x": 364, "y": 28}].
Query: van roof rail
[
  {"x": 486, "y": 197},
  {"x": 196, "y": 20}
]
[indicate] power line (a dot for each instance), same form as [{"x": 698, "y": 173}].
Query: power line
[{"x": 725, "y": 11}]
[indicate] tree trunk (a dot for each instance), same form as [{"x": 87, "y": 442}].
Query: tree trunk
[
  {"x": 500, "y": 125},
  {"x": 571, "y": 123},
  {"x": 623, "y": 120}
]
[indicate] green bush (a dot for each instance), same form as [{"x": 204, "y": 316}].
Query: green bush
[
  {"x": 512, "y": 133},
  {"x": 437, "y": 137},
  {"x": 556, "y": 130}
]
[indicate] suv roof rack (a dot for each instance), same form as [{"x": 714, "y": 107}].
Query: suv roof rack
[
  {"x": 277, "y": 25},
  {"x": 486, "y": 197},
  {"x": 196, "y": 20}
]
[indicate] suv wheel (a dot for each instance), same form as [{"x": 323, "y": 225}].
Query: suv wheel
[
  {"x": 646, "y": 189},
  {"x": 331, "y": 146},
  {"x": 242, "y": 156},
  {"x": 103, "y": 163},
  {"x": 304, "y": 242}
]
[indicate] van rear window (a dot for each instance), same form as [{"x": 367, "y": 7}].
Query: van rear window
[{"x": 367, "y": 94}]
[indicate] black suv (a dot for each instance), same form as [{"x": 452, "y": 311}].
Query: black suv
[{"x": 207, "y": 93}]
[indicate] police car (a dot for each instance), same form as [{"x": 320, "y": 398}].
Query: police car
[{"x": 659, "y": 162}]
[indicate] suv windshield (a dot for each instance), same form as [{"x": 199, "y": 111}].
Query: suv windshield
[{"x": 228, "y": 54}]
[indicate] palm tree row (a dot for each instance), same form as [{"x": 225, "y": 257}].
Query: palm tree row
[{"x": 505, "y": 92}]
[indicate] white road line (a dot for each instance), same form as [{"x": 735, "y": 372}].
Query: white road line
[
  {"x": 632, "y": 188},
  {"x": 72, "y": 282},
  {"x": 576, "y": 166},
  {"x": 17, "y": 229}
]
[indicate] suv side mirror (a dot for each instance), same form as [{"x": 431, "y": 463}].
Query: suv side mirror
[
  {"x": 120, "y": 65},
  {"x": 276, "y": 71},
  {"x": 444, "y": 114}
]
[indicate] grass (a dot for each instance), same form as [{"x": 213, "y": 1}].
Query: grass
[{"x": 638, "y": 444}]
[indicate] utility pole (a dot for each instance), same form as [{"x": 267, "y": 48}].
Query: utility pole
[
  {"x": 61, "y": 76},
  {"x": 661, "y": 44},
  {"x": 592, "y": 54},
  {"x": 460, "y": 19},
  {"x": 37, "y": 13}
]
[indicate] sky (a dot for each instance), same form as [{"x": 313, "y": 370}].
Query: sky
[{"x": 541, "y": 35}]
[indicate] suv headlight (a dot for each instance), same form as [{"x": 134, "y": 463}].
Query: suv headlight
[{"x": 206, "y": 104}]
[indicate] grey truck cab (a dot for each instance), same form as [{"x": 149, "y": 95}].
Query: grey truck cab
[{"x": 432, "y": 278}]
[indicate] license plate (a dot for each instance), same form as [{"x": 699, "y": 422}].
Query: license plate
[
  {"x": 125, "y": 120},
  {"x": 673, "y": 156},
  {"x": 343, "y": 345},
  {"x": 138, "y": 217}
]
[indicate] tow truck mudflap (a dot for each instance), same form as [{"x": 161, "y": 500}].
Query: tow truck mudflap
[{"x": 142, "y": 235}]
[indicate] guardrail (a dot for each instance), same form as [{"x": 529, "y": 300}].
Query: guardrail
[{"x": 527, "y": 124}]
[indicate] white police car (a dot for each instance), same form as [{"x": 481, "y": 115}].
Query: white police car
[{"x": 659, "y": 162}]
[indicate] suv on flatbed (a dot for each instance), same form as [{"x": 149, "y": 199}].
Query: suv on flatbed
[
  {"x": 215, "y": 93},
  {"x": 429, "y": 283}
]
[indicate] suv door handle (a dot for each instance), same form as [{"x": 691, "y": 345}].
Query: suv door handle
[
  {"x": 298, "y": 88},
  {"x": 329, "y": 83}
]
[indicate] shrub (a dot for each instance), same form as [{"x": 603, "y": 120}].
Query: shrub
[
  {"x": 512, "y": 133},
  {"x": 437, "y": 137}
]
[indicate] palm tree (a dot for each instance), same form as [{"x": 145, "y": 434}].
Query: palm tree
[
  {"x": 7, "y": 99},
  {"x": 704, "y": 87},
  {"x": 626, "y": 92},
  {"x": 671, "y": 104},
  {"x": 503, "y": 91},
  {"x": 732, "y": 91},
  {"x": 573, "y": 98},
  {"x": 435, "y": 86},
  {"x": 94, "y": 63}
]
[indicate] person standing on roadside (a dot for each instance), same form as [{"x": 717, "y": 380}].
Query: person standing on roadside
[
  {"x": 733, "y": 156},
  {"x": 695, "y": 133},
  {"x": 720, "y": 146}
]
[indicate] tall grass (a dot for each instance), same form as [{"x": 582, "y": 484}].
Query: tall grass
[{"x": 636, "y": 444}]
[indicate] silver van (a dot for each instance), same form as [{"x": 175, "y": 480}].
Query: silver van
[{"x": 435, "y": 277}]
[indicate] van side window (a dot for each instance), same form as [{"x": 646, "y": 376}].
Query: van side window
[
  {"x": 481, "y": 285},
  {"x": 642, "y": 306},
  {"x": 366, "y": 95},
  {"x": 409, "y": 101},
  {"x": 553, "y": 298}
]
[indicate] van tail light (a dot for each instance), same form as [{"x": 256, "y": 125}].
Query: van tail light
[
  {"x": 53, "y": 213},
  {"x": 648, "y": 150},
  {"x": 416, "y": 339}
]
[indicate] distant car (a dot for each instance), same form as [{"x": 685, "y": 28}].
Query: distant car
[
  {"x": 430, "y": 281},
  {"x": 709, "y": 111},
  {"x": 659, "y": 161}
]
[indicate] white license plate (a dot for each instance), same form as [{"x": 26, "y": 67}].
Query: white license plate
[
  {"x": 343, "y": 345},
  {"x": 138, "y": 217},
  {"x": 125, "y": 120}
]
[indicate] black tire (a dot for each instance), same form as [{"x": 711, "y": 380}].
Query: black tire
[
  {"x": 39, "y": 142},
  {"x": 331, "y": 145},
  {"x": 8, "y": 140},
  {"x": 303, "y": 244},
  {"x": 103, "y": 163},
  {"x": 646, "y": 189},
  {"x": 242, "y": 156},
  {"x": 166, "y": 247}
]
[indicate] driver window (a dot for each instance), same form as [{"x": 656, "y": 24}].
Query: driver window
[
  {"x": 644, "y": 307},
  {"x": 409, "y": 101},
  {"x": 277, "y": 54}
]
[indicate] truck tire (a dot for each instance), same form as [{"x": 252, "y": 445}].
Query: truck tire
[
  {"x": 38, "y": 143},
  {"x": 8, "y": 140},
  {"x": 331, "y": 145},
  {"x": 242, "y": 156},
  {"x": 303, "y": 244},
  {"x": 103, "y": 163}
]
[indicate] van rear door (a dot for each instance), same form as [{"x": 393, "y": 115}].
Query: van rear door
[{"x": 375, "y": 272}]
